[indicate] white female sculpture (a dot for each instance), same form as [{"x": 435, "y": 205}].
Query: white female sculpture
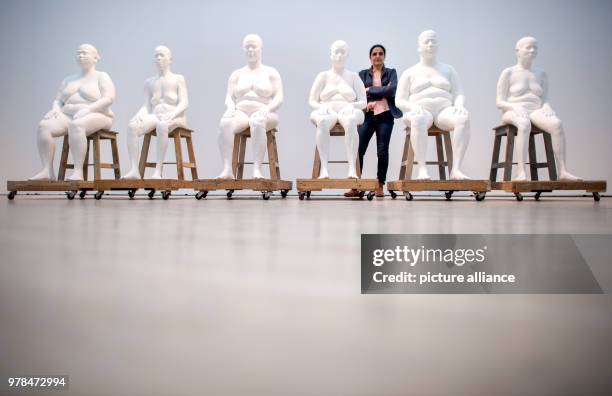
[
  {"x": 338, "y": 96},
  {"x": 254, "y": 94},
  {"x": 163, "y": 111},
  {"x": 81, "y": 107},
  {"x": 430, "y": 93},
  {"x": 522, "y": 95}
]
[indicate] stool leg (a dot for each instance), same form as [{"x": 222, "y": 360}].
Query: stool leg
[
  {"x": 273, "y": 156},
  {"x": 178, "y": 154},
  {"x": 550, "y": 156},
  {"x": 241, "y": 154},
  {"x": 495, "y": 159},
  {"x": 440, "y": 151},
  {"x": 448, "y": 147},
  {"x": 86, "y": 162},
  {"x": 191, "y": 154},
  {"x": 63, "y": 159},
  {"x": 96, "y": 147},
  {"x": 533, "y": 159},
  {"x": 511, "y": 131},
  {"x": 144, "y": 154},
  {"x": 116, "y": 166},
  {"x": 235, "y": 154}
]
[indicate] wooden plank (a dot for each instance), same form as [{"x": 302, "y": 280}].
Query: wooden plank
[
  {"x": 546, "y": 185},
  {"x": 178, "y": 154},
  {"x": 192, "y": 160},
  {"x": 123, "y": 184},
  {"x": 242, "y": 184},
  {"x": 335, "y": 184},
  {"x": 494, "y": 160},
  {"x": 96, "y": 153},
  {"x": 48, "y": 185},
  {"x": 440, "y": 185},
  {"x": 509, "y": 152}
]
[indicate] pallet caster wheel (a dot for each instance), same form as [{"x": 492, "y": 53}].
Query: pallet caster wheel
[
  {"x": 266, "y": 195},
  {"x": 166, "y": 194},
  {"x": 519, "y": 196},
  {"x": 284, "y": 193},
  {"x": 308, "y": 194},
  {"x": 70, "y": 194},
  {"x": 393, "y": 194},
  {"x": 448, "y": 195},
  {"x": 229, "y": 194},
  {"x": 408, "y": 196},
  {"x": 82, "y": 194},
  {"x": 480, "y": 196},
  {"x": 98, "y": 195},
  {"x": 131, "y": 193},
  {"x": 361, "y": 194},
  {"x": 537, "y": 195},
  {"x": 151, "y": 193},
  {"x": 11, "y": 195},
  {"x": 370, "y": 196},
  {"x": 596, "y": 196},
  {"x": 302, "y": 195},
  {"x": 201, "y": 194}
]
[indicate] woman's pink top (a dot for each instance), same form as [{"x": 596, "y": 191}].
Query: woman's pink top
[{"x": 380, "y": 106}]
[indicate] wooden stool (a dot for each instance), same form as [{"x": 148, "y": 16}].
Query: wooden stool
[
  {"x": 238, "y": 155},
  {"x": 337, "y": 130},
  {"x": 95, "y": 138},
  {"x": 443, "y": 143},
  {"x": 176, "y": 134},
  {"x": 510, "y": 131}
]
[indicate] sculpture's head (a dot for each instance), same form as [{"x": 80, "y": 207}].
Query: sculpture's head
[
  {"x": 338, "y": 53},
  {"x": 163, "y": 57},
  {"x": 428, "y": 44},
  {"x": 526, "y": 48},
  {"x": 87, "y": 56},
  {"x": 252, "y": 45}
]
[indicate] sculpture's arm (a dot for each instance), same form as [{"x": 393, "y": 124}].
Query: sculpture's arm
[
  {"x": 183, "y": 100},
  {"x": 315, "y": 91},
  {"x": 229, "y": 97},
  {"x": 457, "y": 89},
  {"x": 403, "y": 93},
  {"x": 361, "y": 101},
  {"x": 503, "y": 84},
  {"x": 277, "y": 86},
  {"x": 546, "y": 107},
  {"x": 58, "y": 103},
  {"x": 107, "y": 93}
]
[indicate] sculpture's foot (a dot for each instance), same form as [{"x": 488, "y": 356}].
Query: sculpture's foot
[
  {"x": 156, "y": 175},
  {"x": 422, "y": 175},
  {"x": 456, "y": 174},
  {"x": 226, "y": 175},
  {"x": 352, "y": 175},
  {"x": 257, "y": 174},
  {"x": 323, "y": 174},
  {"x": 521, "y": 176},
  {"x": 568, "y": 176},
  {"x": 134, "y": 174},
  {"x": 76, "y": 176},
  {"x": 44, "y": 174}
]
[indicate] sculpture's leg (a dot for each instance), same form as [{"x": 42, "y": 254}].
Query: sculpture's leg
[
  {"x": 419, "y": 124},
  {"x": 259, "y": 125},
  {"x": 349, "y": 119},
  {"x": 78, "y": 130},
  {"x": 48, "y": 130},
  {"x": 162, "y": 129},
  {"x": 460, "y": 125},
  {"x": 523, "y": 127},
  {"x": 554, "y": 127},
  {"x": 228, "y": 127},
  {"x": 324, "y": 122},
  {"x": 136, "y": 129}
]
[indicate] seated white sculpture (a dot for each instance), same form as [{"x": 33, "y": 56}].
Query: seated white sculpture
[
  {"x": 338, "y": 96},
  {"x": 81, "y": 107},
  {"x": 522, "y": 95},
  {"x": 429, "y": 93},
  {"x": 254, "y": 94},
  {"x": 163, "y": 111}
]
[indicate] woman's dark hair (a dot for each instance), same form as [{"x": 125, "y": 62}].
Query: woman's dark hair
[{"x": 378, "y": 46}]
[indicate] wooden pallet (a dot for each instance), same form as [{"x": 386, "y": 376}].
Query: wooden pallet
[
  {"x": 479, "y": 187},
  {"x": 538, "y": 187},
  {"x": 265, "y": 186},
  {"x": 165, "y": 186},
  {"x": 306, "y": 186},
  {"x": 71, "y": 188}
]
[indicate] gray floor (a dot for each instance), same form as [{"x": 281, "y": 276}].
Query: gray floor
[{"x": 253, "y": 297}]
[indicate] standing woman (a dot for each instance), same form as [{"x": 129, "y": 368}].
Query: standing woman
[{"x": 380, "y": 83}]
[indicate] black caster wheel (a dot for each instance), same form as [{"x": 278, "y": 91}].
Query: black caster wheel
[
  {"x": 98, "y": 195},
  {"x": 151, "y": 193},
  {"x": 131, "y": 193},
  {"x": 370, "y": 196},
  {"x": 284, "y": 193},
  {"x": 70, "y": 194},
  {"x": 480, "y": 196},
  {"x": 408, "y": 196},
  {"x": 596, "y": 196},
  {"x": 361, "y": 194},
  {"x": 537, "y": 195},
  {"x": 166, "y": 194},
  {"x": 393, "y": 194},
  {"x": 448, "y": 195},
  {"x": 266, "y": 195},
  {"x": 519, "y": 196},
  {"x": 82, "y": 194},
  {"x": 302, "y": 195},
  {"x": 229, "y": 194},
  {"x": 308, "y": 194},
  {"x": 201, "y": 194},
  {"x": 11, "y": 195}
]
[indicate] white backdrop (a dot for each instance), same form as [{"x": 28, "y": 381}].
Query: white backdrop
[{"x": 38, "y": 40}]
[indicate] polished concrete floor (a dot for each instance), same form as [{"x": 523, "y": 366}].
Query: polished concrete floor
[{"x": 253, "y": 297}]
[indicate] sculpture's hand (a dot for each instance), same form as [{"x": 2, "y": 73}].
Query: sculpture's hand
[
  {"x": 346, "y": 111},
  {"x": 51, "y": 115},
  {"x": 416, "y": 110},
  {"x": 81, "y": 113},
  {"x": 521, "y": 112},
  {"x": 460, "y": 111},
  {"x": 548, "y": 111},
  {"x": 229, "y": 113},
  {"x": 167, "y": 117}
]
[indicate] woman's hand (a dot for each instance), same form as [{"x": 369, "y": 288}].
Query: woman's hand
[{"x": 370, "y": 106}]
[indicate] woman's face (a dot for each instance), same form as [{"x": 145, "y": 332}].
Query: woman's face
[
  {"x": 86, "y": 56},
  {"x": 252, "y": 49},
  {"x": 377, "y": 56}
]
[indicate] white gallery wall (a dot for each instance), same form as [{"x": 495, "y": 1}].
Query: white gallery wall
[{"x": 38, "y": 40}]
